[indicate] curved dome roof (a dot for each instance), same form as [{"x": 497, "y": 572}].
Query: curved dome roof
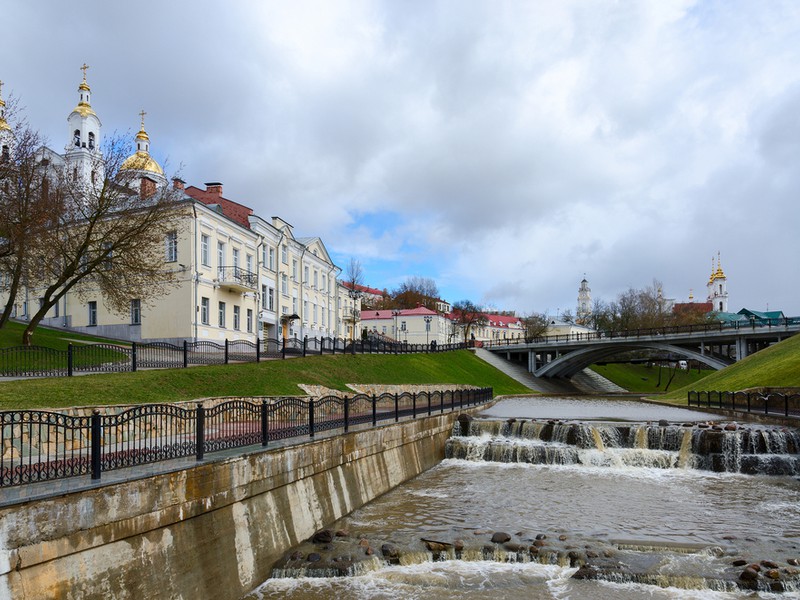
[{"x": 142, "y": 161}]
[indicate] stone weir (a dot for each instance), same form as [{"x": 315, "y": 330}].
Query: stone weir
[
  {"x": 209, "y": 531},
  {"x": 713, "y": 447}
]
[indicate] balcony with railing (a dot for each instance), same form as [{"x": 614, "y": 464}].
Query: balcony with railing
[{"x": 237, "y": 279}]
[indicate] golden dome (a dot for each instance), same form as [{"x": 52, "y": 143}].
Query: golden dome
[
  {"x": 141, "y": 161},
  {"x": 84, "y": 110},
  {"x": 4, "y": 126}
]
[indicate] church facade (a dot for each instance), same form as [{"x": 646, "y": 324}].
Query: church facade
[{"x": 238, "y": 276}]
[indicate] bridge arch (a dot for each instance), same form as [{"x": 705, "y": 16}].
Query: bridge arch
[{"x": 577, "y": 360}]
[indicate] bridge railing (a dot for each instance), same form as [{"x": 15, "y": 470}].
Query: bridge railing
[
  {"x": 42, "y": 445},
  {"x": 786, "y": 404},
  {"x": 589, "y": 336}
]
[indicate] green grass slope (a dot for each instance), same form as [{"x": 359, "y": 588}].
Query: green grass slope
[
  {"x": 274, "y": 377},
  {"x": 58, "y": 339},
  {"x": 776, "y": 366}
]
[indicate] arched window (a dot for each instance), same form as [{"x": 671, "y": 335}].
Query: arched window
[
  {"x": 76, "y": 138},
  {"x": 91, "y": 140},
  {"x": 6, "y": 156}
]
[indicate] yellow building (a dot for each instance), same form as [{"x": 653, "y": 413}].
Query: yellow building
[{"x": 238, "y": 276}]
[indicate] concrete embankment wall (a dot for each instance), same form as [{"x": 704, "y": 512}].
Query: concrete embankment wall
[{"x": 211, "y": 531}]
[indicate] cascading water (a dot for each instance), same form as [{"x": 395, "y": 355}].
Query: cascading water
[
  {"x": 734, "y": 449},
  {"x": 579, "y": 517}
]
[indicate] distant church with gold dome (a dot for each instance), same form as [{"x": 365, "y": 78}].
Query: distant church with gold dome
[{"x": 717, "y": 287}]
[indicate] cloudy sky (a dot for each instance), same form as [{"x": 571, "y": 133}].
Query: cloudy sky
[{"x": 504, "y": 149}]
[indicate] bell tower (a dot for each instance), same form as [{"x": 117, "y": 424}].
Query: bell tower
[
  {"x": 718, "y": 286},
  {"x": 6, "y": 133},
  {"x": 584, "y": 310},
  {"x": 82, "y": 153}
]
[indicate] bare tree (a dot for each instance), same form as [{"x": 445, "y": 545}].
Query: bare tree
[
  {"x": 535, "y": 326},
  {"x": 467, "y": 315},
  {"x": 416, "y": 291},
  {"x": 104, "y": 237},
  {"x": 354, "y": 282},
  {"x": 27, "y": 206}
]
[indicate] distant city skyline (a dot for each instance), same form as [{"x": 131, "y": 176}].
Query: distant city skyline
[{"x": 502, "y": 149}]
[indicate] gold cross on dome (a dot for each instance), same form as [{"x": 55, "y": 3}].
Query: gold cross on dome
[
  {"x": 83, "y": 68},
  {"x": 142, "y": 114}
]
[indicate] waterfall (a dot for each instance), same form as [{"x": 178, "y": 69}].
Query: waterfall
[{"x": 735, "y": 449}]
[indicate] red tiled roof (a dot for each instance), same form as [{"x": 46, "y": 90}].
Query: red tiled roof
[
  {"x": 365, "y": 289},
  {"x": 236, "y": 212},
  {"x": 370, "y": 315}
]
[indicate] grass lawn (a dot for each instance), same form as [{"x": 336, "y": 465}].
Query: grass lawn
[
  {"x": 269, "y": 378},
  {"x": 646, "y": 379},
  {"x": 776, "y": 366},
  {"x": 58, "y": 339}
]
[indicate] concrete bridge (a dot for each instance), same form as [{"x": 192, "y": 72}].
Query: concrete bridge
[{"x": 716, "y": 346}]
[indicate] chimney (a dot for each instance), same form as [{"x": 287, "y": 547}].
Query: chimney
[
  {"x": 178, "y": 183},
  {"x": 147, "y": 187},
  {"x": 214, "y": 187}
]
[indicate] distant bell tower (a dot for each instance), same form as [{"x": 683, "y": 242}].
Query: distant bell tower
[
  {"x": 584, "y": 310},
  {"x": 718, "y": 286}
]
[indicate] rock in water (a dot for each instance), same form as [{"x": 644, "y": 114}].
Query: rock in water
[{"x": 500, "y": 537}]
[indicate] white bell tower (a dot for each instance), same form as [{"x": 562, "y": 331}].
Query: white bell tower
[
  {"x": 6, "y": 133},
  {"x": 584, "y": 310},
  {"x": 718, "y": 287},
  {"x": 82, "y": 153}
]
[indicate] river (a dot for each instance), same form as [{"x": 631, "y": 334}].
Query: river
[{"x": 620, "y": 487}]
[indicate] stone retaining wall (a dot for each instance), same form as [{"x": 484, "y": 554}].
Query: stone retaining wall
[{"x": 211, "y": 531}]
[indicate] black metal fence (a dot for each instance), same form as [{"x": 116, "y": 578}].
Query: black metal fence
[
  {"x": 37, "y": 361},
  {"x": 41, "y": 446},
  {"x": 767, "y": 403}
]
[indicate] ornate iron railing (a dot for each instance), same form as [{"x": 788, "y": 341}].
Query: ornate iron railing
[{"x": 42, "y": 445}]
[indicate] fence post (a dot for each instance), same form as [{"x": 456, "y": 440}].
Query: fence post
[
  {"x": 311, "y": 418},
  {"x": 69, "y": 360},
  {"x": 97, "y": 434},
  {"x": 396, "y": 408},
  {"x": 428, "y": 394},
  {"x": 305, "y": 345},
  {"x": 321, "y": 344},
  {"x": 748, "y": 401},
  {"x": 374, "y": 410},
  {"x": 283, "y": 349},
  {"x": 200, "y": 427},
  {"x": 461, "y": 399},
  {"x": 185, "y": 354},
  {"x": 133, "y": 356},
  {"x": 226, "y": 351},
  {"x": 264, "y": 423},
  {"x": 414, "y": 405},
  {"x": 258, "y": 349},
  {"x": 346, "y": 414},
  {"x": 786, "y": 404}
]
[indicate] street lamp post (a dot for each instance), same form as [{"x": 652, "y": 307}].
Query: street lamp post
[
  {"x": 354, "y": 295},
  {"x": 428, "y": 319}
]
